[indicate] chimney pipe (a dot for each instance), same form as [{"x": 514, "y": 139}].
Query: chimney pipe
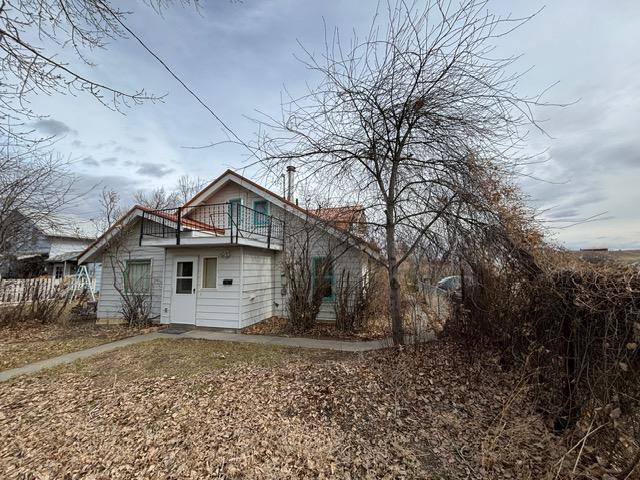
[{"x": 291, "y": 174}]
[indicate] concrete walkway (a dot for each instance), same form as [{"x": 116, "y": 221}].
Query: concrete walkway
[
  {"x": 295, "y": 342},
  {"x": 73, "y": 356}
]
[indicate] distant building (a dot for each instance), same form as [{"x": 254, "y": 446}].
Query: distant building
[{"x": 47, "y": 246}]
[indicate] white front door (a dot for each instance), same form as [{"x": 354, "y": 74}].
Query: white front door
[{"x": 185, "y": 284}]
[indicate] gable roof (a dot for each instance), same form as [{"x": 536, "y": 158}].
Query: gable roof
[
  {"x": 217, "y": 183},
  {"x": 67, "y": 226},
  {"x": 338, "y": 219},
  {"x": 342, "y": 217}
]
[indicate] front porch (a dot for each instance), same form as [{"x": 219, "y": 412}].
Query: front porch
[{"x": 211, "y": 225}]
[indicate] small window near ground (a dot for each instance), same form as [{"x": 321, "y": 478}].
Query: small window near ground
[
  {"x": 210, "y": 273},
  {"x": 137, "y": 276},
  {"x": 322, "y": 270}
]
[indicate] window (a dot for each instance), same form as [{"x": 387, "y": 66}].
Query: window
[
  {"x": 260, "y": 212},
  {"x": 58, "y": 272},
  {"x": 137, "y": 276},
  {"x": 210, "y": 273},
  {"x": 184, "y": 277},
  {"x": 235, "y": 210},
  {"x": 322, "y": 275}
]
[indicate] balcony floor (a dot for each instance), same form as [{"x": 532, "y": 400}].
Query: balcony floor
[{"x": 209, "y": 240}]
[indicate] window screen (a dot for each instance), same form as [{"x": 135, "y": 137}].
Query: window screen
[{"x": 210, "y": 273}]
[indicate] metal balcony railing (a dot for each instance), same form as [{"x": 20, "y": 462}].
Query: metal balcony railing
[{"x": 231, "y": 220}]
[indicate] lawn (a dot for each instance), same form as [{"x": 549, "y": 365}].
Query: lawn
[
  {"x": 203, "y": 409},
  {"x": 27, "y": 343}
]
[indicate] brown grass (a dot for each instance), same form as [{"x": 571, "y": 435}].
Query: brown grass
[
  {"x": 30, "y": 342},
  {"x": 201, "y": 409}
]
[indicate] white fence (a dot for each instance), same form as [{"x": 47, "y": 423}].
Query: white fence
[{"x": 26, "y": 289}]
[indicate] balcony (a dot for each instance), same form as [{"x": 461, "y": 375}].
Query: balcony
[{"x": 213, "y": 224}]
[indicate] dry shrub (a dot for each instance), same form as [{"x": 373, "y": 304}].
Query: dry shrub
[
  {"x": 354, "y": 304},
  {"x": 136, "y": 309},
  {"x": 574, "y": 329},
  {"x": 39, "y": 304}
]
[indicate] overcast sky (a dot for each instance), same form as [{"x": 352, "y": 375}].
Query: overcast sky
[{"x": 238, "y": 56}]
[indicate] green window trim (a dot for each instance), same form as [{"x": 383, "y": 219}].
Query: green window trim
[
  {"x": 330, "y": 277},
  {"x": 260, "y": 218}
]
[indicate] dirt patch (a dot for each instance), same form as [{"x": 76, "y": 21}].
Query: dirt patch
[
  {"x": 279, "y": 327},
  {"x": 30, "y": 342},
  {"x": 250, "y": 411}
]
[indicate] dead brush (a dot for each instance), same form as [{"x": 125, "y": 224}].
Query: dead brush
[
  {"x": 37, "y": 305},
  {"x": 575, "y": 329}
]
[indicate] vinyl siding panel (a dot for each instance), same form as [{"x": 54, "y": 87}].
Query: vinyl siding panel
[
  {"x": 110, "y": 302},
  {"x": 348, "y": 259},
  {"x": 258, "y": 287},
  {"x": 219, "y": 307}
]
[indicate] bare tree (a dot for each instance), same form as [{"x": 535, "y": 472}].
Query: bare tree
[
  {"x": 183, "y": 190},
  {"x": 34, "y": 185},
  {"x": 187, "y": 187},
  {"x": 110, "y": 210},
  {"x": 157, "y": 199},
  {"x": 413, "y": 121},
  {"x": 32, "y": 32}
]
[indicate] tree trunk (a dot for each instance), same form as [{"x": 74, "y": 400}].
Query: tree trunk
[{"x": 395, "y": 309}]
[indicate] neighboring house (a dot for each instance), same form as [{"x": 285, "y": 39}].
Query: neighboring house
[
  {"x": 48, "y": 246},
  {"x": 217, "y": 261}
]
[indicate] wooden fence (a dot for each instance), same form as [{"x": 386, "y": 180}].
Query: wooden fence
[{"x": 27, "y": 289}]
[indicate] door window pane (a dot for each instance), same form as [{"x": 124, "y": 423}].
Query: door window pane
[
  {"x": 184, "y": 285},
  {"x": 210, "y": 273},
  {"x": 185, "y": 269}
]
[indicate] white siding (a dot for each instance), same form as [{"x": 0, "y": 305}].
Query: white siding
[
  {"x": 348, "y": 258},
  {"x": 351, "y": 261},
  {"x": 258, "y": 286},
  {"x": 219, "y": 307},
  {"x": 109, "y": 303}
]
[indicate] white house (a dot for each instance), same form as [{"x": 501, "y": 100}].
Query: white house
[
  {"x": 48, "y": 245},
  {"x": 217, "y": 261}
]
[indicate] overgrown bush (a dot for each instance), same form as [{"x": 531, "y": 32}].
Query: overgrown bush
[
  {"x": 574, "y": 329},
  {"x": 135, "y": 309},
  {"x": 304, "y": 294},
  {"x": 353, "y": 304}
]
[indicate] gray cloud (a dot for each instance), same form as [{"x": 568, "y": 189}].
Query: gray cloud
[
  {"x": 110, "y": 160},
  {"x": 593, "y": 155},
  {"x": 49, "y": 126},
  {"x": 122, "y": 149},
  {"x": 90, "y": 161},
  {"x": 157, "y": 170}
]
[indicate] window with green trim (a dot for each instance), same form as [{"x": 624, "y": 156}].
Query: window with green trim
[
  {"x": 137, "y": 276},
  {"x": 322, "y": 276},
  {"x": 260, "y": 212}
]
